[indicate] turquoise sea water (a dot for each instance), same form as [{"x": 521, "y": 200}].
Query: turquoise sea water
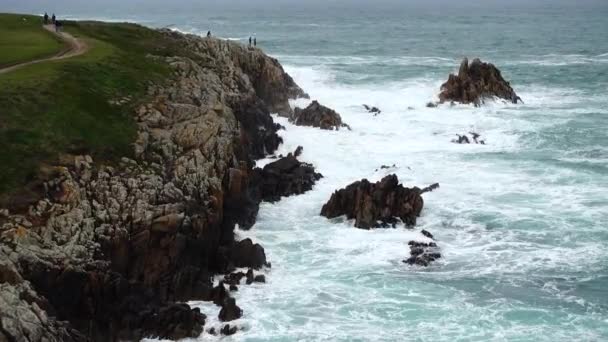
[{"x": 522, "y": 222}]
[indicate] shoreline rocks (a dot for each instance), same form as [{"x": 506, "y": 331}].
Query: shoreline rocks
[
  {"x": 317, "y": 115},
  {"x": 108, "y": 252},
  {"x": 476, "y": 82},
  {"x": 373, "y": 205},
  {"x": 371, "y": 109}
]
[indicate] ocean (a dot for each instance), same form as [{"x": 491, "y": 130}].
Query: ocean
[{"x": 522, "y": 222}]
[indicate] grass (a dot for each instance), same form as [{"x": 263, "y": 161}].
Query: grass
[
  {"x": 22, "y": 38},
  {"x": 64, "y": 106}
]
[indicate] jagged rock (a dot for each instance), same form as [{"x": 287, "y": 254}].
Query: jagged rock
[
  {"x": 381, "y": 204},
  {"x": 260, "y": 278},
  {"x": 476, "y": 82},
  {"x": 422, "y": 254},
  {"x": 229, "y": 330},
  {"x": 230, "y": 311},
  {"x": 298, "y": 151},
  {"x": 285, "y": 177},
  {"x": 373, "y": 110},
  {"x": 316, "y": 115},
  {"x": 250, "y": 277},
  {"x": 103, "y": 253},
  {"x": 464, "y": 139},
  {"x": 247, "y": 254}
]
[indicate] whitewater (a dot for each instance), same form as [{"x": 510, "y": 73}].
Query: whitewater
[{"x": 522, "y": 222}]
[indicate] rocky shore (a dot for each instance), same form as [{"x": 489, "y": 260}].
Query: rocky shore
[{"x": 111, "y": 252}]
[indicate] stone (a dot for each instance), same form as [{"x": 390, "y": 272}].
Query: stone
[
  {"x": 476, "y": 82},
  {"x": 317, "y": 115},
  {"x": 230, "y": 311},
  {"x": 285, "y": 177},
  {"x": 372, "y": 205}
]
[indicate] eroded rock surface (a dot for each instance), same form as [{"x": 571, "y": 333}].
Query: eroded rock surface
[
  {"x": 107, "y": 251},
  {"x": 381, "y": 204},
  {"x": 476, "y": 82},
  {"x": 285, "y": 177},
  {"x": 317, "y": 115}
]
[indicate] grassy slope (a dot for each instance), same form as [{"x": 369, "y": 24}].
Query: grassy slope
[
  {"x": 22, "y": 38},
  {"x": 58, "y": 107}
]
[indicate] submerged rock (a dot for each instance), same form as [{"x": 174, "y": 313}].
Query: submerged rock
[
  {"x": 373, "y": 110},
  {"x": 464, "y": 139},
  {"x": 380, "y": 204},
  {"x": 422, "y": 253},
  {"x": 476, "y": 82},
  {"x": 317, "y": 115}
]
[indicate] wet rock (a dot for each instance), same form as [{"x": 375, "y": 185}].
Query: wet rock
[
  {"x": 431, "y": 105},
  {"x": 234, "y": 288},
  {"x": 250, "y": 277},
  {"x": 229, "y": 330},
  {"x": 317, "y": 115},
  {"x": 212, "y": 331},
  {"x": 174, "y": 322},
  {"x": 476, "y": 82},
  {"x": 422, "y": 253},
  {"x": 374, "y": 205},
  {"x": 285, "y": 177},
  {"x": 427, "y": 234},
  {"x": 464, "y": 139},
  {"x": 230, "y": 311},
  {"x": 373, "y": 110},
  {"x": 260, "y": 278},
  {"x": 298, "y": 151},
  {"x": 247, "y": 254}
]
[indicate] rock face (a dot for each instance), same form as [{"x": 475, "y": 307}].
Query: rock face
[
  {"x": 380, "y": 204},
  {"x": 317, "y": 115},
  {"x": 476, "y": 82},
  {"x": 285, "y": 177},
  {"x": 108, "y": 251}
]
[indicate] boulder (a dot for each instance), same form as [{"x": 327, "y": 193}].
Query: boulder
[
  {"x": 247, "y": 254},
  {"x": 228, "y": 330},
  {"x": 230, "y": 311},
  {"x": 285, "y": 177},
  {"x": 476, "y": 82},
  {"x": 380, "y": 204},
  {"x": 317, "y": 115}
]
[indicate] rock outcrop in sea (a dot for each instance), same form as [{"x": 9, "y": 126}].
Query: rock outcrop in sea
[
  {"x": 317, "y": 115},
  {"x": 476, "y": 82},
  {"x": 373, "y": 205},
  {"x": 108, "y": 252}
]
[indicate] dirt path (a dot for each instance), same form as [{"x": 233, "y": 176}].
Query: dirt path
[{"x": 76, "y": 47}]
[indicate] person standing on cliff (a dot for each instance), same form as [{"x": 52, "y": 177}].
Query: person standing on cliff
[
  {"x": 208, "y": 34},
  {"x": 249, "y": 41},
  {"x": 46, "y": 18},
  {"x": 255, "y": 41},
  {"x": 53, "y": 19}
]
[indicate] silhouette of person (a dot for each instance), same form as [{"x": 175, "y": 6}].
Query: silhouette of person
[
  {"x": 249, "y": 41},
  {"x": 46, "y": 18},
  {"x": 208, "y": 34},
  {"x": 255, "y": 41},
  {"x": 53, "y": 19},
  {"x": 58, "y": 25}
]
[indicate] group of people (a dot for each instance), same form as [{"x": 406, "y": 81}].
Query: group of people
[
  {"x": 53, "y": 20},
  {"x": 255, "y": 41}
]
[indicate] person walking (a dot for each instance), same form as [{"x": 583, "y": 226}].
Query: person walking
[
  {"x": 58, "y": 25},
  {"x": 46, "y": 18}
]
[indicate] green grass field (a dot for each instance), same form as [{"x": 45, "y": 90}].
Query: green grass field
[
  {"x": 64, "y": 106},
  {"x": 22, "y": 38}
]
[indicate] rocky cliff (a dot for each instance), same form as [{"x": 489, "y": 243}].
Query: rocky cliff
[{"x": 110, "y": 251}]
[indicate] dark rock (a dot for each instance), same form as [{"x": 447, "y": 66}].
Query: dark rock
[
  {"x": 422, "y": 253},
  {"x": 376, "y": 205},
  {"x": 218, "y": 294},
  {"x": 464, "y": 139},
  {"x": 476, "y": 82},
  {"x": 247, "y": 254},
  {"x": 249, "y": 277},
  {"x": 212, "y": 331},
  {"x": 228, "y": 330},
  {"x": 316, "y": 115},
  {"x": 234, "y": 278},
  {"x": 298, "y": 151},
  {"x": 230, "y": 311},
  {"x": 431, "y": 105},
  {"x": 260, "y": 278},
  {"x": 427, "y": 234},
  {"x": 234, "y": 288},
  {"x": 285, "y": 177},
  {"x": 174, "y": 322},
  {"x": 374, "y": 110}
]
